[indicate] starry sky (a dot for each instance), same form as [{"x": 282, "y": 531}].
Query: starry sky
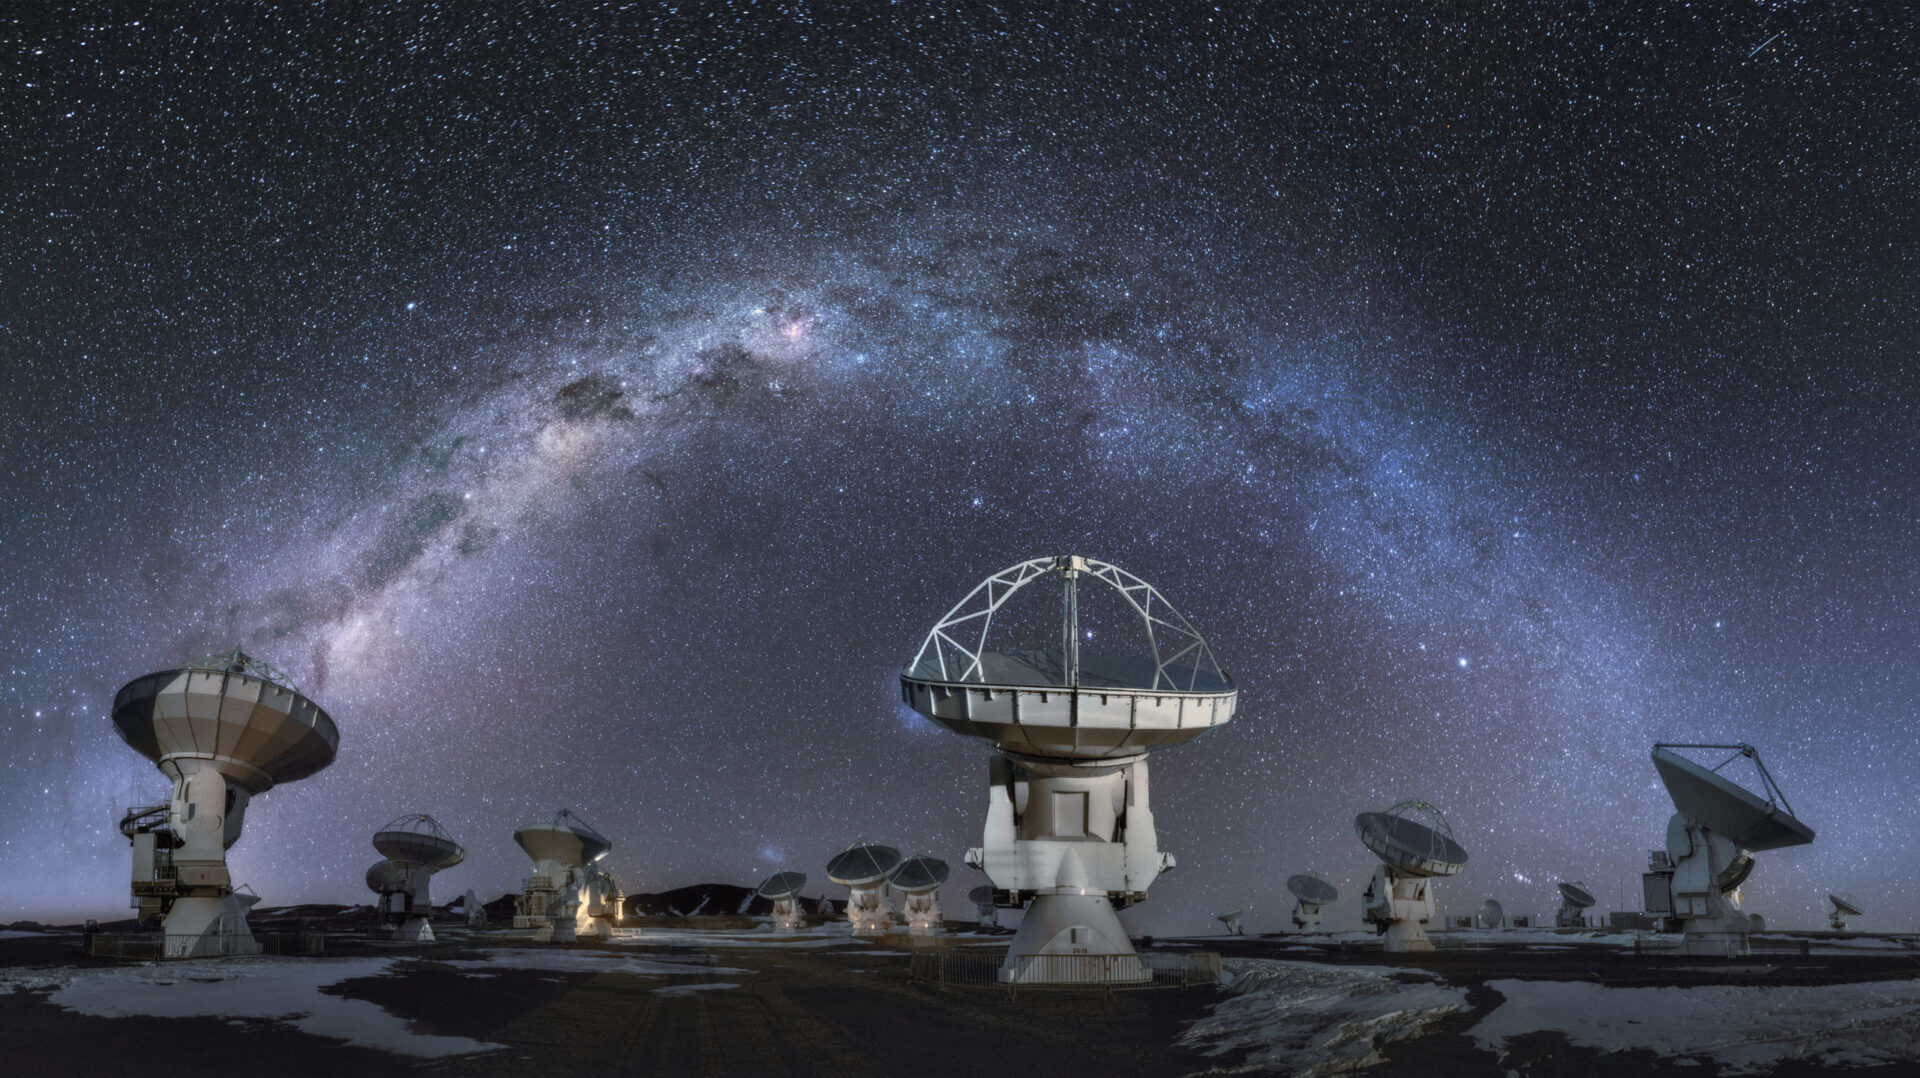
[{"x": 595, "y": 405}]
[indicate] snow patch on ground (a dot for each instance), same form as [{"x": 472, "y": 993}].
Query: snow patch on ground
[
  {"x": 1745, "y": 1029},
  {"x": 1307, "y": 1019},
  {"x": 572, "y": 961},
  {"x": 690, "y": 989},
  {"x": 756, "y": 939},
  {"x": 270, "y": 989}
]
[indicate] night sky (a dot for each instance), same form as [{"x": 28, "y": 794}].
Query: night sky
[{"x": 594, "y": 406}]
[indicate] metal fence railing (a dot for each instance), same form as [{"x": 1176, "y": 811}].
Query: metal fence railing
[{"x": 1108, "y": 973}]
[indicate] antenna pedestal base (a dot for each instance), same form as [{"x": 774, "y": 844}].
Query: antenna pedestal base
[
  {"x": 413, "y": 930},
  {"x": 204, "y": 927},
  {"x": 868, "y": 909},
  {"x": 1306, "y": 917},
  {"x": 1072, "y": 939},
  {"x": 1399, "y": 907},
  {"x": 787, "y": 917}
]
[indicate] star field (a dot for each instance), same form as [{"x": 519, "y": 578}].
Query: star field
[{"x": 593, "y": 406}]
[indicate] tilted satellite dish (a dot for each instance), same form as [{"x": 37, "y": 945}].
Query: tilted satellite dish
[
  {"x": 225, "y": 729},
  {"x": 1490, "y": 915},
  {"x": 986, "y": 910},
  {"x": 1310, "y": 891},
  {"x": 1412, "y": 851},
  {"x": 1068, "y": 822},
  {"x": 1844, "y": 906},
  {"x": 416, "y": 847},
  {"x": 862, "y": 869},
  {"x": 1232, "y": 921},
  {"x": 783, "y": 890},
  {"x": 566, "y": 897},
  {"x": 918, "y": 879},
  {"x": 1711, "y": 841},
  {"x": 1574, "y": 900}
]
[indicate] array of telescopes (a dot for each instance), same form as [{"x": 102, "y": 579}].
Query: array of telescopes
[{"x": 1069, "y": 834}]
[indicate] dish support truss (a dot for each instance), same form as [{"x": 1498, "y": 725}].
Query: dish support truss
[{"x": 1186, "y": 653}]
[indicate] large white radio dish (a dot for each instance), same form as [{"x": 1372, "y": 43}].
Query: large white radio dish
[
  {"x": 986, "y": 910},
  {"x": 416, "y": 847},
  {"x": 566, "y": 897},
  {"x": 225, "y": 729},
  {"x": 1844, "y": 906},
  {"x": 1710, "y": 844},
  {"x": 1068, "y": 822},
  {"x": 783, "y": 890},
  {"x": 1574, "y": 900},
  {"x": 863, "y": 869},
  {"x": 1412, "y": 851},
  {"x": 1234, "y": 920},
  {"x": 1310, "y": 891},
  {"x": 918, "y": 880},
  {"x": 1490, "y": 915},
  {"x": 1753, "y": 823}
]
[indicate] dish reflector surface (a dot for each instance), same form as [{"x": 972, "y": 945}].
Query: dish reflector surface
[
  {"x": 232, "y": 709},
  {"x": 1751, "y": 821},
  {"x": 1491, "y": 915},
  {"x": 419, "y": 839},
  {"x": 1847, "y": 904},
  {"x": 783, "y": 885},
  {"x": 981, "y": 895},
  {"x": 564, "y": 838},
  {"x": 917, "y": 874},
  {"x": 1577, "y": 895},
  {"x": 863, "y": 862},
  {"x": 1308, "y": 887},
  {"x": 1409, "y": 845}
]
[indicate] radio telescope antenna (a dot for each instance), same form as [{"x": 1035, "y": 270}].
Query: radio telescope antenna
[
  {"x": 1844, "y": 906},
  {"x": 918, "y": 880},
  {"x": 416, "y": 847},
  {"x": 1233, "y": 921},
  {"x": 225, "y": 729},
  {"x": 1491, "y": 914},
  {"x": 566, "y": 897},
  {"x": 1310, "y": 891},
  {"x": 862, "y": 869},
  {"x": 986, "y": 910},
  {"x": 1574, "y": 900},
  {"x": 1399, "y": 900},
  {"x": 783, "y": 890},
  {"x": 1711, "y": 839},
  {"x": 1068, "y": 822}
]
